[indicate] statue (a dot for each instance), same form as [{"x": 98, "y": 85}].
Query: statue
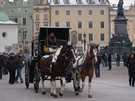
[{"x": 120, "y": 11}]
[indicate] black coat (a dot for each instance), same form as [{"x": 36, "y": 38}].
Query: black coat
[
  {"x": 12, "y": 63},
  {"x": 131, "y": 67}
]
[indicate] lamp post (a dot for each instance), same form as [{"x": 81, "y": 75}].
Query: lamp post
[{"x": 84, "y": 41}]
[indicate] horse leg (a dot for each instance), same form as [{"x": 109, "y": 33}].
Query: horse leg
[
  {"x": 89, "y": 89},
  {"x": 91, "y": 72},
  {"x": 62, "y": 86},
  {"x": 76, "y": 83},
  {"x": 83, "y": 84},
  {"x": 43, "y": 86},
  {"x": 53, "y": 89}
]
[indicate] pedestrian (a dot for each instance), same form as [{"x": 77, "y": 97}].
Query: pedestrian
[
  {"x": 118, "y": 60},
  {"x": 0, "y": 66},
  {"x": 4, "y": 64},
  {"x": 110, "y": 61},
  {"x": 20, "y": 61},
  {"x": 105, "y": 58},
  {"x": 12, "y": 66},
  {"x": 131, "y": 68},
  {"x": 97, "y": 65},
  {"x": 125, "y": 59}
]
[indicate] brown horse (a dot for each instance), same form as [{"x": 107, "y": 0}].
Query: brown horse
[
  {"x": 85, "y": 66},
  {"x": 56, "y": 66}
]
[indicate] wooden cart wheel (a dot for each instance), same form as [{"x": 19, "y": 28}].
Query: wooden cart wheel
[{"x": 36, "y": 78}]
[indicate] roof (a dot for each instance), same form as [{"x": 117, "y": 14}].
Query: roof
[
  {"x": 3, "y": 16},
  {"x": 4, "y": 19},
  {"x": 54, "y": 27}
]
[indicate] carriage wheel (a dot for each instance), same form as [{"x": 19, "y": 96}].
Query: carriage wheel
[
  {"x": 26, "y": 76},
  {"x": 36, "y": 78}
]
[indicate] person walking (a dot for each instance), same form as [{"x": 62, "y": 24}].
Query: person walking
[
  {"x": 4, "y": 63},
  {"x": 20, "y": 61},
  {"x": 110, "y": 61},
  {"x": 0, "y": 66},
  {"x": 12, "y": 66},
  {"x": 131, "y": 68},
  {"x": 118, "y": 60},
  {"x": 97, "y": 65}
]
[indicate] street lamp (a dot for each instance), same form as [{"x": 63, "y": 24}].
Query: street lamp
[{"x": 84, "y": 40}]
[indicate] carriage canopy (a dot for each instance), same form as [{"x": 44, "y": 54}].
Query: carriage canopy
[{"x": 60, "y": 33}]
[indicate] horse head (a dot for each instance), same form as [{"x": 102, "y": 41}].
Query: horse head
[
  {"x": 67, "y": 53},
  {"x": 92, "y": 50}
]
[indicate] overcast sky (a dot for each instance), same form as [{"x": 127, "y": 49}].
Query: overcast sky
[{"x": 126, "y": 2}]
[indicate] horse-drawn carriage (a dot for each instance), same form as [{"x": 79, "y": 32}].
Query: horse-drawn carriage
[
  {"x": 53, "y": 59},
  {"x": 51, "y": 46}
]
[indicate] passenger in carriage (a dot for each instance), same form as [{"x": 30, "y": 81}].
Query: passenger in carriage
[
  {"x": 51, "y": 44},
  {"x": 52, "y": 39}
]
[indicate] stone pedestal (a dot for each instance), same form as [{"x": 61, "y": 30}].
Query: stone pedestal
[{"x": 120, "y": 43}]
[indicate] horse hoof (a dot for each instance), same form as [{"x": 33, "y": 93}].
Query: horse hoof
[
  {"x": 54, "y": 95},
  {"x": 77, "y": 94},
  {"x": 43, "y": 92},
  {"x": 61, "y": 94},
  {"x": 89, "y": 96},
  {"x": 81, "y": 90}
]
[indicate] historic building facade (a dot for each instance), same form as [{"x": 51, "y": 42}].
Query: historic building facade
[
  {"x": 130, "y": 15},
  {"x": 86, "y": 18},
  {"x": 20, "y": 11}
]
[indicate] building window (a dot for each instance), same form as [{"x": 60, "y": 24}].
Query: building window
[
  {"x": 90, "y": 24},
  {"x": 102, "y": 12},
  {"x": 66, "y": 1},
  {"x": 37, "y": 26},
  {"x": 46, "y": 24},
  {"x": 24, "y": 21},
  {"x": 4, "y": 34},
  {"x": 79, "y": 12},
  {"x": 80, "y": 37},
  {"x": 67, "y": 24},
  {"x": 90, "y": 36},
  {"x": 79, "y": 1},
  {"x": 57, "y": 24},
  {"x": 45, "y": 16},
  {"x": 102, "y": 37},
  {"x": 41, "y": 1},
  {"x": 67, "y": 12},
  {"x": 56, "y": 2},
  {"x": 37, "y": 17},
  {"x": 56, "y": 12},
  {"x": 79, "y": 24},
  {"x": 102, "y": 24},
  {"x": 90, "y": 12},
  {"x": 89, "y": 1}
]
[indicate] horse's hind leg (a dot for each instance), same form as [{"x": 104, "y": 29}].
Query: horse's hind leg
[
  {"x": 43, "y": 86},
  {"x": 62, "y": 86}
]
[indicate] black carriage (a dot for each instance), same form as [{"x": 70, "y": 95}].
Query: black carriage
[{"x": 40, "y": 47}]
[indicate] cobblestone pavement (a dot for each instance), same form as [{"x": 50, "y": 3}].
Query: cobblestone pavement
[{"x": 111, "y": 86}]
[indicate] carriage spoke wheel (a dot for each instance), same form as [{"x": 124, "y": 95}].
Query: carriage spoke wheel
[
  {"x": 26, "y": 76},
  {"x": 36, "y": 78}
]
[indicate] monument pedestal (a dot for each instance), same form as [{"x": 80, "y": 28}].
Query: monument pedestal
[{"x": 119, "y": 43}]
